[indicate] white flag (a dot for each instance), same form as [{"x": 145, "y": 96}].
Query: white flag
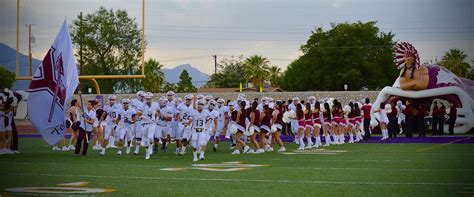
[{"x": 52, "y": 86}]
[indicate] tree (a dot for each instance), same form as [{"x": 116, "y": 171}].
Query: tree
[
  {"x": 454, "y": 60},
  {"x": 356, "y": 54},
  {"x": 6, "y": 78},
  {"x": 185, "y": 83},
  {"x": 229, "y": 75},
  {"x": 154, "y": 76},
  {"x": 256, "y": 70},
  {"x": 274, "y": 75},
  {"x": 111, "y": 44},
  {"x": 167, "y": 86}
]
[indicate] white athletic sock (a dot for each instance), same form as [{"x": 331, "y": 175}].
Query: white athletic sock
[
  {"x": 335, "y": 138},
  {"x": 328, "y": 139},
  {"x": 216, "y": 145},
  {"x": 341, "y": 138},
  {"x": 111, "y": 140},
  {"x": 195, "y": 153},
  {"x": 318, "y": 140},
  {"x": 309, "y": 141},
  {"x": 301, "y": 142},
  {"x": 351, "y": 137}
]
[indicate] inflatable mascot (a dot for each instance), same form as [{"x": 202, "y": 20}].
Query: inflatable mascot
[{"x": 427, "y": 83}]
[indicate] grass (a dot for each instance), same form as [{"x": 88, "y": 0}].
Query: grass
[{"x": 364, "y": 170}]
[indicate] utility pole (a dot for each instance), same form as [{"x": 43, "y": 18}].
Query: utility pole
[
  {"x": 29, "y": 50},
  {"x": 215, "y": 64},
  {"x": 80, "y": 44},
  {"x": 17, "y": 71}
]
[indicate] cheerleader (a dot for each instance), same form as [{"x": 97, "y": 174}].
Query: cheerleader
[
  {"x": 277, "y": 125},
  {"x": 265, "y": 124},
  {"x": 6, "y": 114},
  {"x": 336, "y": 119},
  {"x": 309, "y": 123},
  {"x": 255, "y": 126},
  {"x": 358, "y": 120},
  {"x": 327, "y": 124},
  {"x": 74, "y": 116},
  {"x": 301, "y": 125},
  {"x": 351, "y": 116},
  {"x": 240, "y": 123},
  {"x": 317, "y": 124},
  {"x": 383, "y": 120}
]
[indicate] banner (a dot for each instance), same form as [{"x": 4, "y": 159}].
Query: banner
[{"x": 52, "y": 86}]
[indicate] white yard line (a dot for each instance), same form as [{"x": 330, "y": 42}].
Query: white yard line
[
  {"x": 380, "y": 169},
  {"x": 243, "y": 180}
]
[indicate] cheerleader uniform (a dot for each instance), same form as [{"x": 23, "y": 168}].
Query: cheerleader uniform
[
  {"x": 308, "y": 120},
  {"x": 301, "y": 122},
  {"x": 352, "y": 119},
  {"x": 266, "y": 122},
  {"x": 241, "y": 124},
  {"x": 327, "y": 118},
  {"x": 256, "y": 121},
  {"x": 336, "y": 117},
  {"x": 317, "y": 120},
  {"x": 279, "y": 120}
]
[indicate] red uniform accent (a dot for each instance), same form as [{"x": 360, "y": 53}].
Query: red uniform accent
[{"x": 366, "y": 109}]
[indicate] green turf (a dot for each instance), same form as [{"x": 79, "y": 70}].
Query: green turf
[{"x": 364, "y": 170}]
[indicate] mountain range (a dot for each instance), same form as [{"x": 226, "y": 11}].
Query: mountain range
[{"x": 8, "y": 60}]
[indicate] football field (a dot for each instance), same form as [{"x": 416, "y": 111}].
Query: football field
[{"x": 363, "y": 169}]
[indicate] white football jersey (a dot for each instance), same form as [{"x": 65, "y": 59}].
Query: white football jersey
[
  {"x": 112, "y": 112},
  {"x": 200, "y": 118},
  {"x": 126, "y": 116},
  {"x": 149, "y": 112},
  {"x": 136, "y": 104},
  {"x": 89, "y": 115},
  {"x": 214, "y": 114},
  {"x": 184, "y": 111},
  {"x": 222, "y": 110},
  {"x": 165, "y": 112}
]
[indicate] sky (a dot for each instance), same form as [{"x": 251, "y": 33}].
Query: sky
[{"x": 191, "y": 31}]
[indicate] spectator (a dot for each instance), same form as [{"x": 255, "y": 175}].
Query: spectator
[
  {"x": 434, "y": 117},
  {"x": 441, "y": 112},
  {"x": 453, "y": 114},
  {"x": 366, "y": 108},
  {"x": 409, "y": 119},
  {"x": 421, "y": 114},
  {"x": 393, "y": 122}
]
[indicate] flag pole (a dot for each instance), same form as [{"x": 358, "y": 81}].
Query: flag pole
[{"x": 83, "y": 114}]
